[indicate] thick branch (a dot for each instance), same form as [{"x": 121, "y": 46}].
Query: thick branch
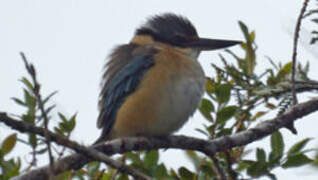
[{"x": 209, "y": 147}]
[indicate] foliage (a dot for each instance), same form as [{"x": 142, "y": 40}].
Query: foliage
[
  {"x": 9, "y": 167},
  {"x": 313, "y": 14},
  {"x": 238, "y": 97},
  {"x": 33, "y": 103}
]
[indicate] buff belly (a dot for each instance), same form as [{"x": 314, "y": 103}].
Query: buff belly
[{"x": 163, "y": 102}]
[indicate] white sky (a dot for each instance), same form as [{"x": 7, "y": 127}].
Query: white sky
[{"x": 69, "y": 40}]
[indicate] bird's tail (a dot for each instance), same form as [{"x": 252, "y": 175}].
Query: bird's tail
[
  {"x": 99, "y": 140},
  {"x": 105, "y": 136}
]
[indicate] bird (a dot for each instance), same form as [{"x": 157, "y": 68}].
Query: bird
[{"x": 153, "y": 84}]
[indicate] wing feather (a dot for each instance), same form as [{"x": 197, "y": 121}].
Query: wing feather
[{"x": 123, "y": 83}]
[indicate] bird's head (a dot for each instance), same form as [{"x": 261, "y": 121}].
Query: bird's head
[{"x": 179, "y": 32}]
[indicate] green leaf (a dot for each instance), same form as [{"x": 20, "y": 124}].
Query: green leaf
[
  {"x": 30, "y": 100},
  {"x": 27, "y": 83},
  {"x": 207, "y": 169},
  {"x": 258, "y": 115},
  {"x": 286, "y": 70},
  {"x": 240, "y": 62},
  {"x": 256, "y": 169},
  {"x": 224, "y": 132},
  {"x": 133, "y": 157},
  {"x": 49, "y": 109},
  {"x": 298, "y": 146},
  {"x": 273, "y": 160},
  {"x": 19, "y": 101},
  {"x": 252, "y": 36},
  {"x": 260, "y": 155},
  {"x": 202, "y": 132},
  {"x": 123, "y": 177},
  {"x": 314, "y": 163},
  {"x": 62, "y": 117},
  {"x": 28, "y": 118},
  {"x": 151, "y": 158},
  {"x": 49, "y": 97},
  {"x": 250, "y": 59},
  {"x": 194, "y": 158},
  {"x": 209, "y": 86},
  {"x": 186, "y": 174},
  {"x": 174, "y": 174},
  {"x": 236, "y": 75},
  {"x": 65, "y": 175},
  {"x": 270, "y": 106},
  {"x": 206, "y": 108},
  {"x": 244, "y": 164},
  {"x": 10, "y": 168},
  {"x": 271, "y": 176},
  {"x": 58, "y": 131},
  {"x": 226, "y": 113},
  {"x": 8, "y": 144},
  {"x": 160, "y": 172},
  {"x": 92, "y": 168},
  {"x": 207, "y": 105},
  {"x": 277, "y": 144},
  {"x": 296, "y": 160},
  {"x": 245, "y": 32},
  {"x": 67, "y": 125},
  {"x": 42, "y": 151},
  {"x": 315, "y": 20},
  {"x": 72, "y": 123},
  {"x": 33, "y": 140},
  {"x": 223, "y": 93}
]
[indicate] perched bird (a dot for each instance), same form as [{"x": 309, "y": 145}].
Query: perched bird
[{"x": 153, "y": 84}]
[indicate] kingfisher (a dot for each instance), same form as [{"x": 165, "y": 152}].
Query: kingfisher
[{"x": 153, "y": 84}]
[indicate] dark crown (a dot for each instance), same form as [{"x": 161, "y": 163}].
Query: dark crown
[{"x": 169, "y": 28}]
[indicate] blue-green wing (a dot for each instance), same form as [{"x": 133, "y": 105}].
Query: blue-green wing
[{"x": 123, "y": 83}]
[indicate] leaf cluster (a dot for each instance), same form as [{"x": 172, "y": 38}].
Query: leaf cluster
[{"x": 313, "y": 14}]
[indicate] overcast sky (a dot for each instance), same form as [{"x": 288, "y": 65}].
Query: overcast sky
[{"x": 68, "y": 42}]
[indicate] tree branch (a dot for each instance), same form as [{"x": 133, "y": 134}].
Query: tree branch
[
  {"x": 208, "y": 147},
  {"x": 36, "y": 90},
  {"x": 86, "y": 151},
  {"x": 300, "y": 87},
  {"x": 294, "y": 56},
  {"x": 218, "y": 170}
]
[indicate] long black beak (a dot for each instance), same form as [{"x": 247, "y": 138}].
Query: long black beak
[{"x": 210, "y": 44}]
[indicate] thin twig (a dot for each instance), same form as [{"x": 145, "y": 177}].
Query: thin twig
[
  {"x": 61, "y": 153},
  {"x": 31, "y": 70},
  {"x": 36, "y": 90},
  {"x": 311, "y": 12},
  {"x": 229, "y": 163},
  {"x": 71, "y": 175},
  {"x": 100, "y": 174},
  {"x": 294, "y": 56},
  {"x": 123, "y": 160},
  {"x": 33, "y": 161},
  {"x": 291, "y": 126},
  {"x": 217, "y": 168}
]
